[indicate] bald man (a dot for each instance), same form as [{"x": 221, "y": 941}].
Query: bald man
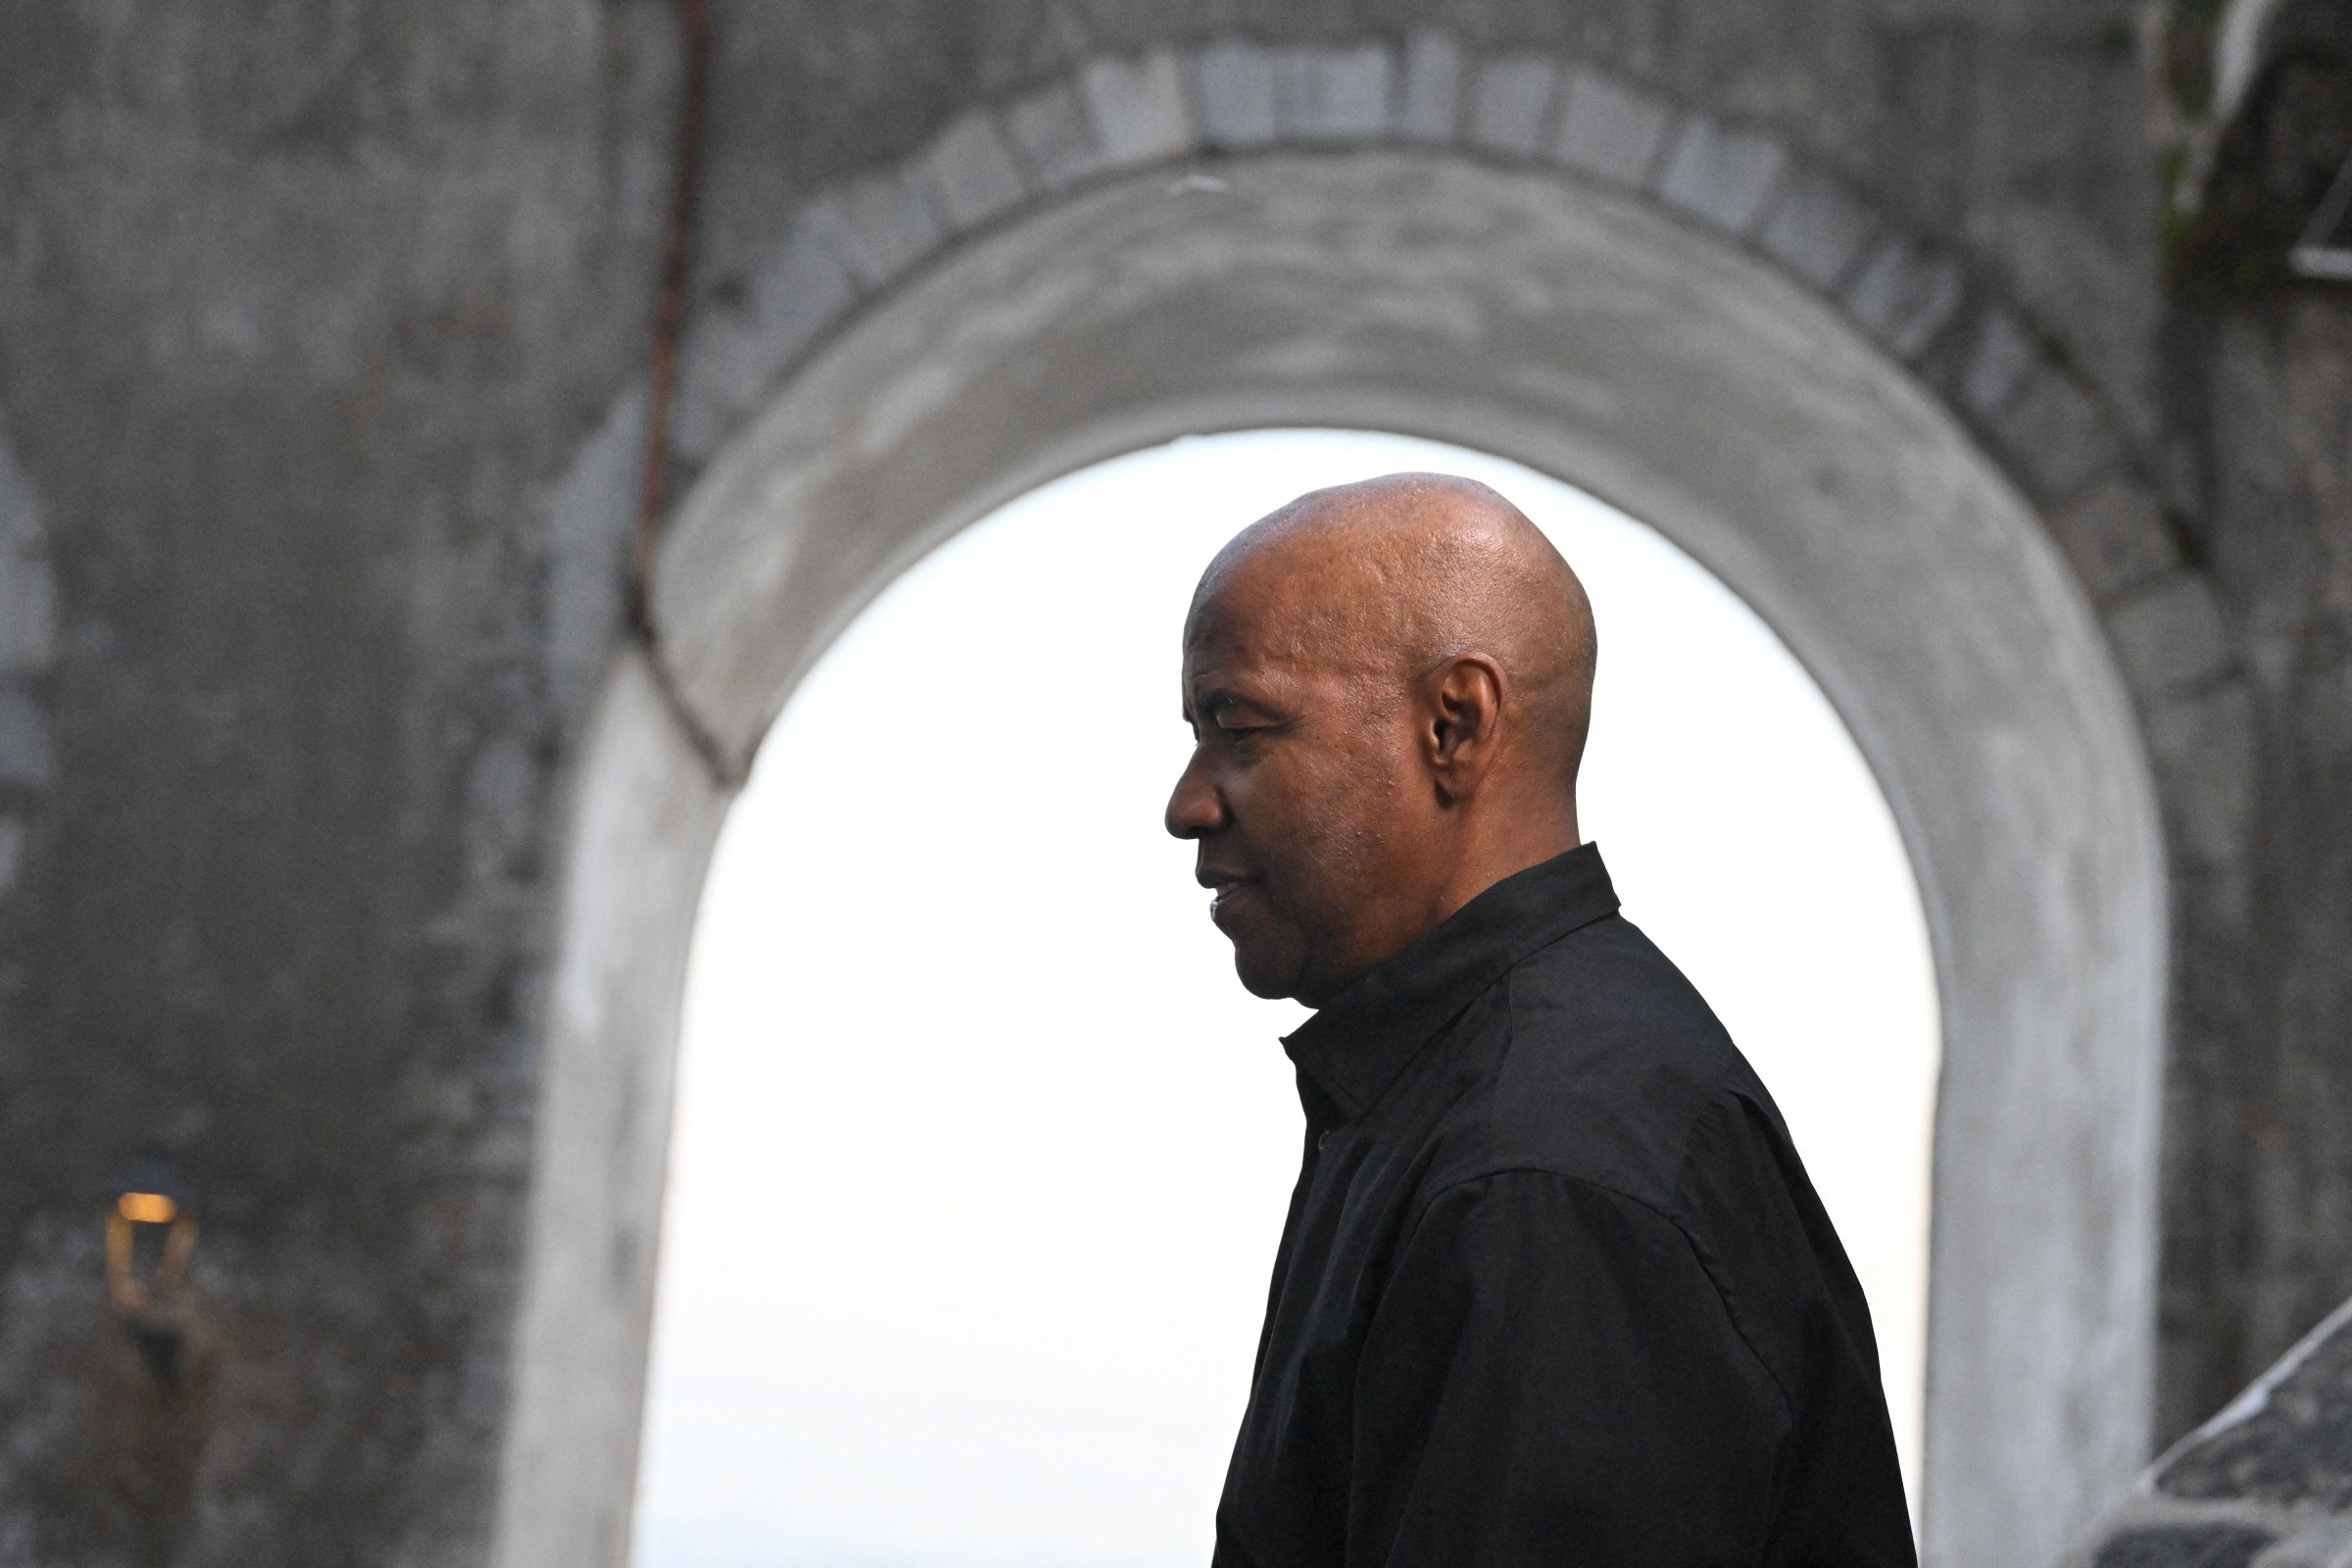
[{"x": 1554, "y": 1287}]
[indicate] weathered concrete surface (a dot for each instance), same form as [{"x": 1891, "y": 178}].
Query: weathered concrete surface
[
  {"x": 641, "y": 828},
  {"x": 318, "y": 329},
  {"x": 2265, "y": 1484},
  {"x": 2259, "y": 1236},
  {"x": 2263, "y": 1103},
  {"x": 301, "y": 307}
]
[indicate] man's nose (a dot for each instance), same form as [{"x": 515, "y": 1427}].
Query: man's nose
[{"x": 1196, "y": 809}]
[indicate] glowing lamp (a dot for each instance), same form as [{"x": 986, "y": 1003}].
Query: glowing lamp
[{"x": 150, "y": 1231}]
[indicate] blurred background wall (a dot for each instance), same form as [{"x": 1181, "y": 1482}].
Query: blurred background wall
[{"x": 323, "y": 327}]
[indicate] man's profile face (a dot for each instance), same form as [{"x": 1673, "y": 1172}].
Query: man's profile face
[{"x": 1299, "y": 787}]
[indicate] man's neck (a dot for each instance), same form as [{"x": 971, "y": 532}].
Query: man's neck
[{"x": 1526, "y": 839}]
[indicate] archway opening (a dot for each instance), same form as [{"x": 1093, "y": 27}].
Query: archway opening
[
  {"x": 980, "y": 1150},
  {"x": 1593, "y": 336}
]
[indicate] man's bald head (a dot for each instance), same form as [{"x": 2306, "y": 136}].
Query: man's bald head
[
  {"x": 1390, "y": 685},
  {"x": 1394, "y": 576}
]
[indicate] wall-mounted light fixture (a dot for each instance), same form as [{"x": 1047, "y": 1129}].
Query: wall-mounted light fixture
[{"x": 150, "y": 1234}]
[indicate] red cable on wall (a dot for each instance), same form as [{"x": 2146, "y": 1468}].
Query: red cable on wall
[{"x": 670, "y": 316}]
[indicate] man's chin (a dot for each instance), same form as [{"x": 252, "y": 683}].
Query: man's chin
[
  {"x": 1261, "y": 986},
  {"x": 1265, "y": 975}
]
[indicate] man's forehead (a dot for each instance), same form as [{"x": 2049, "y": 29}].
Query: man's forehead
[
  {"x": 1247, "y": 631},
  {"x": 1282, "y": 590}
]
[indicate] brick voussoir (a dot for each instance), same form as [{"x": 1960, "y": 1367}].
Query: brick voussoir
[
  {"x": 967, "y": 172},
  {"x": 1233, "y": 95},
  {"x": 1511, "y": 103},
  {"x": 1433, "y": 87},
  {"x": 1343, "y": 95},
  {"x": 1140, "y": 109},
  {"x": 1723, "y": 176}
]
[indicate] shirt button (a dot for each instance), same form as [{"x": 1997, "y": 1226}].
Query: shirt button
[{"x": 1322, "y": 1141}]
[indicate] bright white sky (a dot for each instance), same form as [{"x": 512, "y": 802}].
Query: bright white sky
[{"x": 982, "y": 1152}]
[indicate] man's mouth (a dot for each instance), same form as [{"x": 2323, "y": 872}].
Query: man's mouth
[{"x": 1222, "y": 891}]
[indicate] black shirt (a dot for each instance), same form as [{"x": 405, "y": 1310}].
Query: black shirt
[{"x": 1554, "y": 1287}]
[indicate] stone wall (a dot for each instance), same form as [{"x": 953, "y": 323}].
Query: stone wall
[
  {"x": 2259, "y": 401},
  {"x": 2266, "y": 1483},
  {"x": 318, "y": 329},
  {"x": 300, "y": 308}
]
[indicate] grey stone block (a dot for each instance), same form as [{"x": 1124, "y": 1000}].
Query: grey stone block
[
  {"x": 1817, "y": 229},
  {"x": 2324, "y": 1544},
  {"x": 802, "y": 288},
  {"x": 2053, "y": 437},
  {"x": 722, "y": 368},
  {"x": 1430, "y": 106},
  {"x": 2115, "y": 534},
  {"x": 1721, "y": 175},
  {"x": 2168, "y": 635},
  {"x": 1235, "y": 83},
  {"x": 1336, "y": 94},
  {"x": 589, "y": 519},
  {"x": 877, "y": 225},
  {"x": 2199, "y": 1544},
  {"x": 2283, "y": 1442},
  {"x": 27, "y": 754},
  {"x": 1511, "y": 103},
  {"x": 1904, "y": 295},
  {"x": 967, "y": 173},
  {"x": 730, "y": 357},
  {"x": 2203, "y": 744},
  {"x": 1138, "y": 108},
  {"x": 1052, "y": 138},
  {"x": 1608, "y": 129},
  {"x": 28, "y": 614},
  {"x": 2000, "y": 351},
  {"x": 20, "y": 507}
]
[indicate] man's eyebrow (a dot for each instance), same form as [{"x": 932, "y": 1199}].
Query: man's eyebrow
[
  {"x": 1224, "y": 696},
  {"x": 1225, "y": 699}
]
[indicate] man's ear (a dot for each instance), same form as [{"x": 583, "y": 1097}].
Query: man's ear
[{"x": 1464, "y": 721}]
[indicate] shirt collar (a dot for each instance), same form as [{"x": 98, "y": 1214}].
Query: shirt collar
[{"x": 1355, "y": 1048}]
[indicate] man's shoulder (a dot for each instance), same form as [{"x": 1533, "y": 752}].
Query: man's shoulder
[{"x": 1614, "y": 1067}]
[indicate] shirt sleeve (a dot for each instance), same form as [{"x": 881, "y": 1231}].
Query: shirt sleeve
[{"x": 1551, "y": 1377}]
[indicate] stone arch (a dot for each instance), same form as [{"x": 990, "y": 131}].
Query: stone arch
[{"x": 1248, "y": 235}]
